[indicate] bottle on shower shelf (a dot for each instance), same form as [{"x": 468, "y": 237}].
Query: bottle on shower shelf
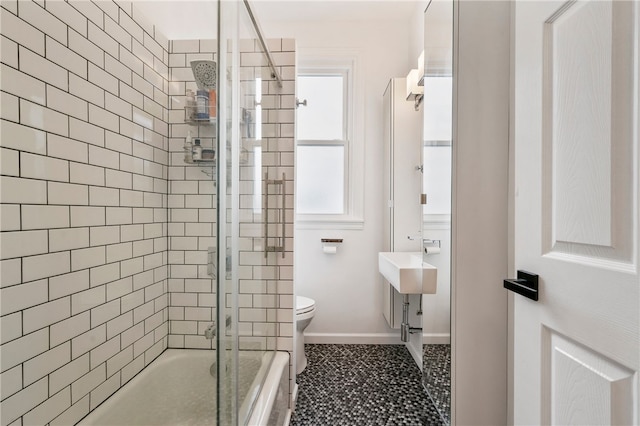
[
  {"x": 197, "y": 150},
  {"x": 202, "y": 105},
  {"x": 188, "y": 149}
]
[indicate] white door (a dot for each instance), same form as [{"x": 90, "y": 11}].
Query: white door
[{"x": 577, "y": 349}]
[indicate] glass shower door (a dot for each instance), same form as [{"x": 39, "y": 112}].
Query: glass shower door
[{"x": 248, "y": 212}]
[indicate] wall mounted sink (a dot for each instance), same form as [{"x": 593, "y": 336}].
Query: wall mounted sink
[{"x": 407, "y": 272}]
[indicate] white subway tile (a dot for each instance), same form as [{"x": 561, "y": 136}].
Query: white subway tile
[
  {"x": 68, "y": 15},
  {"x": 86, "y": 49},
  {"x": 67, "y": 149},
  {"x": 41, "y": 167},
  {"x": 108, "y": 7},
  {"x": 70, "y": 328},
  {"x": 119, "y": 324},
  {"x": 130, "y": 25},
  {"x": 131, "y": 266},
  {"x": 22, "y": 85},
  {"x": 23, "y": 243},
  {"x": 117, "y": 69},
  {"x": 21, "y": 32},
  {"x": 84, "y": 173},
  {"x": 74, "y": 414},
  {"x": 118, "y": 106},
  {"x": 67, "y": 58},
  {"x": 12, "y": 379},
  {"x": 103, "y": 118},
  {"x": 64, "y": 285},
  {"x": 101, "y": 78},
  {"x": 87, "y": 299},
  {"x": 142, "y": 247},
  {"x": 68, "y": 239},
  {"x": 44, "y": 217},
  {"x": 117, "y": 142},
  {"x": 131, "y": 232},
  {"x": 143, "y": 53},
  {"x": 10, "y": 328},
  {"x": 131, "y": 61},
  {"x": 10, "y": 162},
  {"x": 117, "y": 362},
  {"x": 10, "y": 272},
  {"x": 67, "y": 104},
  {"x": 103, "y": 313},
  {"x": 22, "y": 191},
  {"x": 86, "y": 90},
  {"x": 86, "y": 132},
  {"x": 140, "y": 346},
  {"x": 143, "y": 86},
  {"x": 88, "y": 382},
  {"x": 87, "y": 258},
  {"x": 87, "y": 216},
  {"x": 104, "y": 274},
  {"x": 117, "y": 32},
  {"x": 119, "y": 216},
  {"x": 103, "y": 41},
  {"x": 49, "y": 409},
  {"x": 105, "y": 390},
  {"x": 69, "y": 373},
  {"x": 43, "y": 69},
  {"x": 23, "y": 401},
  {"x": 89, "y": 10},
  {"x": 43, "y": 364},
  {"x": 117, "y": 252},
  {"x": 119, "y": 288},
  {"x": 103, "y": 235},
  {"x": 43, "y": 118},
  {"x": 130, "y": 301},
  {"x": 46, "y": 265},
  {"x": 185, "y": 46},
  {"x": 105, "y": 351},
  {"x": 10, "y": 107},
  {"x": 131, "y": 199},
  {"x": 99, "y": 196},
  {"x": 17, "y": 351},
  {"x": 67, "y": 193},
  {"x": 24, "y": 138}
]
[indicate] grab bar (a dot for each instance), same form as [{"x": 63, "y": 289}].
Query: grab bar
[{"x": 280, "y": 216}]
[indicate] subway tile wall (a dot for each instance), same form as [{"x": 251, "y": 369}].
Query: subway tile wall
[
  {"x": 266, "y": 314},
  {"x": 84, "y": 249}
]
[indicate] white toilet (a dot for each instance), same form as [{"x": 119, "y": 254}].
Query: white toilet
[{"x": 305, "y": 310}]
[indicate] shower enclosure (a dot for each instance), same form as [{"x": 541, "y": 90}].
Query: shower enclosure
[{"x": 121, "y": 250}]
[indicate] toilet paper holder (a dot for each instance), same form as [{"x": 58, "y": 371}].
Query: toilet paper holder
[{"x": 330, "y": 245}]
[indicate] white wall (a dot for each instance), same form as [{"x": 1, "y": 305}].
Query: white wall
[{"x": 347, "y": 286}]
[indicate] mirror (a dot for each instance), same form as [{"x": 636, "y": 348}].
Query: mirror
[{"x": 436, "y": 223}]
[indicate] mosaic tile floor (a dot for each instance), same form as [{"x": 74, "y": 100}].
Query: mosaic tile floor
[
  {"x": 346, "y": 385},
  {"x": 437, "y": 377}
]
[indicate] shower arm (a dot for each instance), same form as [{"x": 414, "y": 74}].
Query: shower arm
[{"x": 274, "y": 71}]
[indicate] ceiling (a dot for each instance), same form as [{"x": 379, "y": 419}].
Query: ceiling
[{"x": 197, "y": 19}]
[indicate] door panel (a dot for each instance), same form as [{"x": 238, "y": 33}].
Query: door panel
[{"x": 577, "y": 350}]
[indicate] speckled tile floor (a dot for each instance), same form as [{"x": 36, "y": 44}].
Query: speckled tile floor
[
  {"x": 437, "y": 377},
  {"x": 362, "y": 385}
]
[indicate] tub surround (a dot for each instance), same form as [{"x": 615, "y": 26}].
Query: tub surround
[{"x": 87, "y": 174}]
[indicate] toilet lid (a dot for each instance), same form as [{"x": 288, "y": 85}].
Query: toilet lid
[{"x": 304, "y": 304}]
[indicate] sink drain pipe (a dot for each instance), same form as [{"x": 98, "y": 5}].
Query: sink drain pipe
[{"x": 405, "y": 329}]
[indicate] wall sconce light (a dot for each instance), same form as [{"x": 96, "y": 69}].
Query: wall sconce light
[{"x": 415, "y": 83}]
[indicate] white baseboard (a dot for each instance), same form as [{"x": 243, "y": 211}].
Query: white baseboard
[
  {"x": 354, "y": 338},
  {"x": 436, "y": 338}
]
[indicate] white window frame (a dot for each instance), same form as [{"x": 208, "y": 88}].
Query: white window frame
[{"x": 316, "y": 61}]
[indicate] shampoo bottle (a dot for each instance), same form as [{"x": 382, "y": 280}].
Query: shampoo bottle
[
  {"x": 188, "y": 149},
  {"x": 197, "y": 150}
]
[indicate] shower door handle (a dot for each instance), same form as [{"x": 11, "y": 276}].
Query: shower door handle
[{"x": 280, "y": 216}]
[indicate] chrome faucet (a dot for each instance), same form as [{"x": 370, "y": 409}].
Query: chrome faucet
[{"x": 211, "y": 331}]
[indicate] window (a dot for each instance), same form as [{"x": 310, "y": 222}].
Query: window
[
  {"x": 322, "y": 143},
  {"x": 329, "y": 154}
]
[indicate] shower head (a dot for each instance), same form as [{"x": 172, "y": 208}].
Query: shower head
[{"x": 205, "y": 74}]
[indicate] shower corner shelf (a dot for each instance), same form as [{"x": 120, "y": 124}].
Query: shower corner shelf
[{"x": 210, "y": 121}]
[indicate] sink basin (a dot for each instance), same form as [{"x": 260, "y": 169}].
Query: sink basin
[{"x": 407, "y": 272}]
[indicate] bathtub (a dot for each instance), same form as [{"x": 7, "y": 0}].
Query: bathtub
[{"x": 178, "y": 389}]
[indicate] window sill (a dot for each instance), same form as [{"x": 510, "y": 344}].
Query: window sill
[{"x": 327, "y": 222}]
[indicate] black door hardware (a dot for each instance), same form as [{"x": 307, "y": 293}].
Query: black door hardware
[{"x": 526, "y": 285}]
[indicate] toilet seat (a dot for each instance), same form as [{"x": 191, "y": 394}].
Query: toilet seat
[{"x": 304, "y": 305}]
